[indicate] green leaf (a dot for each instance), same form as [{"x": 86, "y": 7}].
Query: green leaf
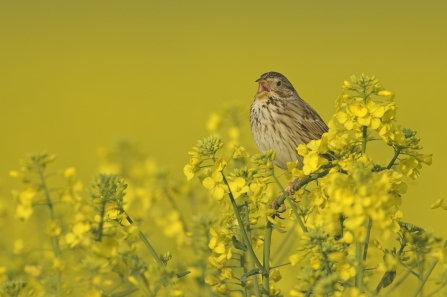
[
  {"x": 254, "y": 271},
  {"x": 238, "y": 244}
]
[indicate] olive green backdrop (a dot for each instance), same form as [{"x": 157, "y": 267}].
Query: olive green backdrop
[{"x": 75, "y": 75}]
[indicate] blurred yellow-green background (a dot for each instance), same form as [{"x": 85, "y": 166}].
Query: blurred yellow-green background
[{"x": 76, "y": 75}]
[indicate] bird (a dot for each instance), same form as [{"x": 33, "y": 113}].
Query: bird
[{"x": 281, "y": 120}]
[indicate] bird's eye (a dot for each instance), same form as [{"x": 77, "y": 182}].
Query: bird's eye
[{"x": 278, "y": 83}]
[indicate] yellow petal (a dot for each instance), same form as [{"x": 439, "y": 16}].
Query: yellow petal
[
  {"x": 208, "y": 183},
  {"x": 384, "y": 93}
]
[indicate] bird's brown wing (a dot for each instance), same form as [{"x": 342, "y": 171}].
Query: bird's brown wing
[{"x": 309, "y": 122}]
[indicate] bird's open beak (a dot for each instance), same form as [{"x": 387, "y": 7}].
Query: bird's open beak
[{"x": 263, "y": 86}]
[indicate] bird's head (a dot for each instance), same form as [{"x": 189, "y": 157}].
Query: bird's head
[{"x": 274, "y": 84}]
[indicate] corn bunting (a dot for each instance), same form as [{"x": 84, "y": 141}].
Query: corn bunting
[{"x": 281, "y": 120}]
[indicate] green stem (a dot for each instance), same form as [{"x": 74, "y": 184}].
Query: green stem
[
  {"x": 54, "y": 239},
  {"x": 304, "y": 182},
  {"x": 396, "y": 154},
  {"x": 359, "y": 266},
  {"x": 266, "y": 260},
  {"x": 151, "y": 249},
  {"x": 427, "y": 274},
  {"x": 242, "y": 228},
  {"x": 101, "y": 217},
  {"x": 364, "y": 138},
  {"x": 325, "y": 261},
  {"x": 242, "y": 263},
  {"x": 147, "y": 244},
  {"x": 358, "y": 244},
  {"x": 292, "y": 205},
  {"x": 165, "y": 280},
  {"x": 368, "y": 234},
  {"x": 252, "y": 260}
]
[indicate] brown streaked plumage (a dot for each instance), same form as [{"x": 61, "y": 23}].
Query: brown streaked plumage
[{"x": 281, "y": 120}]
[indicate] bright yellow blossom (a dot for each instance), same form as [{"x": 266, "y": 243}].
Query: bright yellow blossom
[{"x": 238, "y": 187}]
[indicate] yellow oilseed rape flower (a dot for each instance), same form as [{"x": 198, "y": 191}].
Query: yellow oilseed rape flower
[
  {"x": 189, "y": 171},
  {"x": 408, "y": 166},
  {"x": 390, "y": 111},
  {"x": 346, "y": 119},
  {"x": 257, "y": 188},
  {"x": 345, "y": 271},
  {"x": 25, "y": 203},
  {"x": 427, "y": 159},
  {"x": 212, "y": 280},
  {"x": 290, "y": 167},
  {"x": 358, "y": 109},
  {"x": 76, "y": 236},
  {"x": 238, "y": 187},
  {"x": 373, "y": 118},
  {"x": 347, "y": 238},
  {"x": 239, "y": 152},
  {"x": 313, "y": 162},
  {"x": 336, "y": 256},
  {"x": 318, "y": 196},
  {"x": 220, "y": 165},
  {"x": 213, "y": 262},
  {"x": 226, "y": 273},
  {"x": 221, "y": 289},
  {"x": 216, "y": 185},
  {"x": 302, "y": 150}
]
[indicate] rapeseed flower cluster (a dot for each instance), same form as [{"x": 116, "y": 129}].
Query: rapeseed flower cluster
[
  {"x": 339, "y": 197},
  {"x": 228, "y": 228}
]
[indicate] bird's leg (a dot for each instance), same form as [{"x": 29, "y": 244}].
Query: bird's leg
[
  {"x": 290, "y": 188},
  {"x": 289, "y": 191}
]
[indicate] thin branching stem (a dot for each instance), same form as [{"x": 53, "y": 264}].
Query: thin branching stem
[
  {"x": 165, "y": 280},
  {"x": 396, "y": 154},
  {"x": 243, "y": 230},
  {"x": 252, "y": 261},
  {"x": 101, "y": 217},
  {"x": 266, "y": 260},
  {"x": 359, "y": 266},
  {"x": 148, "y": 245},
  {"x": 368, "y": 235},
  {"x": 54, "y": 239},
  {"x": 364, "y": 138}
]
